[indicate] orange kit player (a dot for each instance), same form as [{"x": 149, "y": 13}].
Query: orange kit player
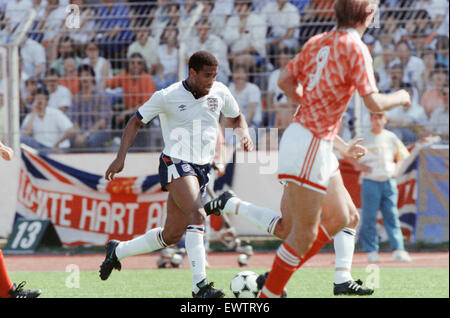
[
  {"x": 8, "y": 289},
  {"x": 322, "y": 78}
]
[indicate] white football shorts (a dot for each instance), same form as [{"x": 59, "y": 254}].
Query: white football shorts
[{"x": 305, "y": 159}]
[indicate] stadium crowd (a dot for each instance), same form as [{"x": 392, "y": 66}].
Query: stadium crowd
[{"x": 93, "y": 75}]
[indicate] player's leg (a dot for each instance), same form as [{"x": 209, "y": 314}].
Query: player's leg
[
  {"x": 10, "y": 290},
  {"x": 389, "y": 211},
  {"x": 304, "y": 205}
]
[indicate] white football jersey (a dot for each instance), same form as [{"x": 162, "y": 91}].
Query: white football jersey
[{"x": 189, "y": 125}]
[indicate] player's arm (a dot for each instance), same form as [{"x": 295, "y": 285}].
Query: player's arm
[
  {"x": 240, "y": 128},
  {"x": 290, "y": 86},
  {"x": 351, "y": 150},
  {"x": 128, "y": 136},
  {"x": 378, "y": 102}
]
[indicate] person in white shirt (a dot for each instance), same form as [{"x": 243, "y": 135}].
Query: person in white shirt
[
  {"x": 248, "y": 96},
  {"x": 167, "y": 53},
  {"x": 245, "y": 34},
  {"x": 101, "y": 66},
  {"x": 46, "y": 129},
  {"x": 438, "y": 123},
  {"x": 413, "y": 66},
  {"x": 283, "y": 19},
  {"x": 206, "y": 41},
  {"x": 60, "y": 96},
  {"x": 189, "y": 112},
  {"x": 385, "y": 154},
  {"x": 16, "y": 12},
  {"x": 34, "y": 58},
  {"x": 147, "y": 45}
]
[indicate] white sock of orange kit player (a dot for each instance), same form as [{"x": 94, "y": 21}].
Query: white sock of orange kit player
[{"x": 344, "y": 248}]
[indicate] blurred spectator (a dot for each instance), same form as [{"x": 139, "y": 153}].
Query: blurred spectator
[
  {"x": 429, "y": 59},
  {"x": 60, "y": 96},
  {"x": 147, "y": 45},
  {"x": 51, "y": 23},
  {"x": 391, "y": 24},
  {"x": 15, "y": 12},
  {"x": 248, "y": 96},
  {"x": 90, "y": 112},
  {"x": 395, "y": 77},
  {"x": 442, "y": 50},
  {"x": 34, "y": 59},
  {"x": 216, "y": 18},
  {"x": 159, "y": 17},
  {"x": 403, "y": 121},
  {"x": 27, "y": 94},
  {"x": 112, "y": 29},
  {"x": 280, "y": 111},
  {"x": 413, "y": 66},
  {"x": 5, "y": 34},
  {"x": 282, "y": 19},
  {"x": 46, "y": 129},
  {"x": 86, "y": 31},
  {"x": 70, "y": 77},
  {"x": 433, "y": 98},
  {"x": 436, "y": 9},
  {"x": 137, "y": 84},
  {"x": 439, "y": 119},
  {"x": 168, "y": 59},
  {"x": 205, "y": 40},
  {"x": 383, "y": 72},
  {"x": 65, "y": 45},
  {"x": 380, "y": 166},
  {"x": 245, "y": 34},
  {"x": 101, "y": 66}
]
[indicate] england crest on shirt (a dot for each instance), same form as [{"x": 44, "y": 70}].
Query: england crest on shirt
[{"x": 213, "y": 103}]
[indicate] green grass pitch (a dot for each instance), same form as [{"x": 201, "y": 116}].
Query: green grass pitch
[{"x": 176, "y": 283}]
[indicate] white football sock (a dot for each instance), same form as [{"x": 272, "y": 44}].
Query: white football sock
[
  {"x": 264, "y": 218},
  {"x": 344, "y": 247},
  {"x": 195, "y": 250},
  {"x": 149, "y": 242}
]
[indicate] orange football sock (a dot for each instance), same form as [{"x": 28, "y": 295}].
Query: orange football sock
[
  {"x": 5, "y": 283},
  {"x": 322, "y": 238},
  {"x": 285, "y": 264}
]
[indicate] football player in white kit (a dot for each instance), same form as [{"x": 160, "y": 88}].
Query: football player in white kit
[{"x": 189, "y": 112}]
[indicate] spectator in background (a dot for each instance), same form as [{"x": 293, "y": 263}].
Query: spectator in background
[
  {"x": 435, "y": 8},
  {"x": 51, "y": 24},
  {"x": 28, "y": 93},
  {"x": 387, "y": 56},
  {"x": 70, "y": 77},
  {"x": 385, "y": 155},
  {"x": 429, "y": 59},
  {"x": 205, "y": 40},
  {"x": 432, "y": 98},
  {"x": 65, "y": 45},
  {"x": 138, "y": 87},
  {"x": 283, "y": 20},
  {"x": 15, "y": 12},
  {"x": 101, "y": 66},
  {"x": 442, "y": 50},
  {"x": 90, "y": 112},
  {"x": 439, "y": 119},
  {"x": 160, "y": 18},
  {"x": 60, "y": 96},
  {"x": 147, "y": 46},
  {"x": 280, "y": 110},
  {"x": 395, "y": 77},
  {"x": 167, "y": 53},
  {"x": 46, "y": 129},
  {"x": 247, "y": 95},
  {"x": 404, "y": 121},
  {"x": 86, "y": 31},
  {"x": 34, "y": 58},
  {"x": 413, "y": 66},
  {"x": 245, "y": 35}
]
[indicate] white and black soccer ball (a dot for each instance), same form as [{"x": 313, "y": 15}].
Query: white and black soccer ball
[{"x": 243, "y": 285}]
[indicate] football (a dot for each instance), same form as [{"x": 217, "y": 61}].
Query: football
[{"x": 243, "y": 285}]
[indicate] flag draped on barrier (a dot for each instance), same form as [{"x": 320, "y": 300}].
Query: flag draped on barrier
[{"x": 86, "y": 208}]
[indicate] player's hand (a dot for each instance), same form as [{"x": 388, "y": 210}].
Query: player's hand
[
  {"x": 6, "y": 152},
  {"x": 405, "y": 98},
  {"x": 115, "y": 167},
  {"x": 355, "y": 150},
  {"x": 247, "y": 143}
]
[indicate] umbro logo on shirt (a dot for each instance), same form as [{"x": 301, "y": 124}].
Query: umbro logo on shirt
[{"x": 182, "y": 107}]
